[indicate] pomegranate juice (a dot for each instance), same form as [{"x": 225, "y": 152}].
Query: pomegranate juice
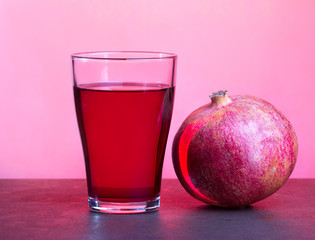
[{"x": 124, "y": 128}]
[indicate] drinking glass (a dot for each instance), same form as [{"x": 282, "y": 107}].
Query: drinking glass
[{"x": 124, "y": 103}]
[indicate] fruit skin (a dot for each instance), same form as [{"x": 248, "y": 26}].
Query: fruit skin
[{"x": 235, "y": 151}]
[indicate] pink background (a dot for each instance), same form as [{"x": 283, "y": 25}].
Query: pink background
[{"x": 262, "y": 48}]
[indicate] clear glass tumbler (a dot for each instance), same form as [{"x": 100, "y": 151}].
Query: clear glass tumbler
[{"x": 124, "y": 103}]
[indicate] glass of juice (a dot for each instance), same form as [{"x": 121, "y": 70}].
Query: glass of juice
[{"x": 124, "y": 103}]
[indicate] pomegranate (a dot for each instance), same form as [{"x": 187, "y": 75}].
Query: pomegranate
[{"x": 234, "y": 151}]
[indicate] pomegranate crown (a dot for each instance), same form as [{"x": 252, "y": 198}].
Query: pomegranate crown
[
  {"x": 219, "y": 99},
  {"x": 219, "y": 94}
]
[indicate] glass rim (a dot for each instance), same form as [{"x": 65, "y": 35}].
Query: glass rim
[{"x": 130, "y": 55}]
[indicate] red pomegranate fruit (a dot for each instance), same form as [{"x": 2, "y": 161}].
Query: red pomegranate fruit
[{"x": 234, "y": 151}]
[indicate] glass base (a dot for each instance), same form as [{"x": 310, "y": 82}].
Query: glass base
[{"x": 124, "y": 208}]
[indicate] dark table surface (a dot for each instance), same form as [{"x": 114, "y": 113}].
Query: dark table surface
[{"x": 57, "y": 209}]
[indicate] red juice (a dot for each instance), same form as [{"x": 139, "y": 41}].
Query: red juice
[{"x": 124, "y": 129}]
